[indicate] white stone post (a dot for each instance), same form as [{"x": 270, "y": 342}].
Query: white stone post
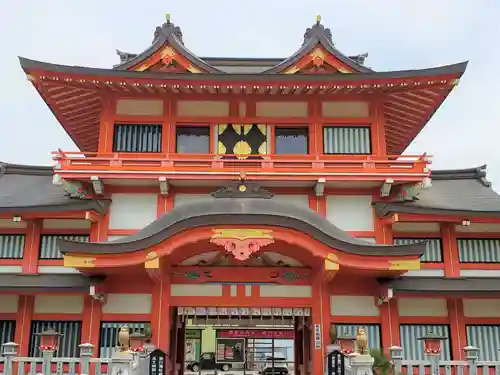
[
  {"x": 471, "y": 356},
  {"x": 85, "y": 355},
  {"x": 47, "y": 356},
  {"x": 396, "y": 353},
  {"x": 9, "y": 351}
]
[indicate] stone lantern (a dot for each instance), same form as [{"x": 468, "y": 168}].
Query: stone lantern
[
  {"x": 346, "y": 343},
  {"x": 49, "y": 339},
  {"x": 432, "y": 343}
]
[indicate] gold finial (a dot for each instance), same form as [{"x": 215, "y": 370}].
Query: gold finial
[
  {"x": 167, "y": 17},
  {"x": 318, "y": 18}
]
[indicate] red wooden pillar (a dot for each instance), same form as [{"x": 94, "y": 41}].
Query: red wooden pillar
[
  {"x": 32, "y": 247},
  {"x": 160, "y": 313},
  {"x": 91, "y": 323},
  {"x": 450, "y": 250},
  {"x": 389, "y": 321},
  {"x": 23, "y": 324},
  {"x": 457, "y": 327},
  {"x": 316, "y": 367}
]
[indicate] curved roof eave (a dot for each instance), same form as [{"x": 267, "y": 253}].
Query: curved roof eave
[
  {"x": 29, "y": 65},
  {"x": 242, "y": 211},
  {"x": 169, "y": 34},
  {"x": 384, "y": 209},
  {"x": 99, "y": 206}
]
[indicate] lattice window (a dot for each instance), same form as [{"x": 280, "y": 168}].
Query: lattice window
[
  {"x": 352, "y": 140},
  {"x": 108, "y": 340},
  {"x": 137, "y": 138},
  {"x": 68, "y": 343},
  {"x": 413, "y": 348},
  {"x": 12, "y": 246},
  {"x": 372, "y": 331},
  {"x": 479, "y": 250},
  {"x": 7, "y": 331},
  {"x": 48, "y": 245},
  {"x": 487, "y": 339},
  {"x": 433, "y": 251}
]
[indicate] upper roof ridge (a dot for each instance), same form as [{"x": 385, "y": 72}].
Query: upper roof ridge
[
  {"x": 24, "y": 169},
  {"x": 476, "y": 173},
  {"x": 168, "y": 28}
]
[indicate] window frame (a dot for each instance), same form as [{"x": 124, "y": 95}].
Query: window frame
[
  {"x": 117, "y": 322},
  {"x": 58, "y": 235},
  {"x": 460, "y": 238},
  {"x": 274, "y": 136},
  {"x": 22, "y": 238},
  {"x": 403, "y": 237},
  {"x": 117, "y": 123},
  {"x": 413, "y": 323},
  {"x": 346, "y": 126},
  {"x": 33, "y": 344},
  {"x": 183, "y": 125}
]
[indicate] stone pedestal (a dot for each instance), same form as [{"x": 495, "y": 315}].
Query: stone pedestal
[
  {"x": 122, "y": 363},
  {"x": 362, "y": 364}
]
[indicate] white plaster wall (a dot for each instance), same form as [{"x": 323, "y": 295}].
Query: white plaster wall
[
  {"x": 350, "y": 212},
  {"x": 203, "y": 290},
  {"x": 353, "y": 306},
  {"x": 415, "y": 227},
  {"x": 191, "y": 198},
  {"x": 52, "y": 304},
  {"x": 478, "y": 227},
  {"x": 139, "y": 107},
  {"x": 127, "y": 303},
  {"x": 57, "y": 269},
  {"x": 301, "y": 200},
  {"x": 8, "y": 223},
  {"x": 481, "y": 307},
  {"x": 345, "y": 109},
  {"x": 281, "y": 109},
  {"x": 422, "y": 307},
  {"x": 11, "y": 269},
  {"x": 297, "y": 291},
  {"x": 480, "y": 273},
  {"x": 132, "y": 211},
  {"x": 66, "y": 224},
  {"x": 202, "y": 108},
  {"x": 425, "y": 273},
  {"x": 8, "y": 303},
  {"x": 112, "y": 238}
]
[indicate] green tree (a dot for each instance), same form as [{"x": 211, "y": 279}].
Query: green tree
[{"x": 381, "y": 364}]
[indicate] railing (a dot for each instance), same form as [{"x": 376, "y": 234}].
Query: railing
[
  {"x": 127, "y": 363},
  {"x": 133, "y": 162},
  {"x": 470, "y": 366}
]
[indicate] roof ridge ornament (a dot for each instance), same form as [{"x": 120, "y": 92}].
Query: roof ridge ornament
[
  {"x": 242, "y": 189},
  {"x": 318, "y": 31},
  {"x": 168, "y": 28}
]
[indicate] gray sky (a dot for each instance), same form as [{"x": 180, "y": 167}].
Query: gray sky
[{"x": 397, "y": 34}]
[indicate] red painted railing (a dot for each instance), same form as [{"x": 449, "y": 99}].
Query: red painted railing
[{"x": 292, "y": 164}]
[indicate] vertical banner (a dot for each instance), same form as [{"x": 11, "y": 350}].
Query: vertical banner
[{"x": 317, "y": 336}]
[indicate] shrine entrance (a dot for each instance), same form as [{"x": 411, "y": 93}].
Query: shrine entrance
[{"x": 220, "y": 340}]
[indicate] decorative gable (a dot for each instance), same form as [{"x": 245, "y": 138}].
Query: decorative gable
[
  {"x": 318, "y": 61},
  {"x": 166, "y": 60},
  {"x": 319, "y": 55},
  {"x": 167, "y": 53}
]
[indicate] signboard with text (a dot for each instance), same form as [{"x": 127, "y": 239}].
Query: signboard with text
[{"x": 256, "y": 334}]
